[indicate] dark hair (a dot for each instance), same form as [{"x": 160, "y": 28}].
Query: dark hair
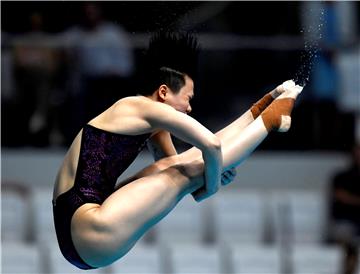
[{"x": 169, "y": 57}]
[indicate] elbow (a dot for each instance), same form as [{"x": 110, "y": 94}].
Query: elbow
[{"x": 214, "y": 144}]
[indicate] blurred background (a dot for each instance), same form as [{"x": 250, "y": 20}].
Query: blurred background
[{"x": 294, "y": 205}]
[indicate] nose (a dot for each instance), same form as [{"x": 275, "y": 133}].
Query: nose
[{"x": 189, "y": 109}]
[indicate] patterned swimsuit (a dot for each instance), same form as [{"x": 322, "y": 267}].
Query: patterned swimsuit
[{"x": 104, "y": 156}]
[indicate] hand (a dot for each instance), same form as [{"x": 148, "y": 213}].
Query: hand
[
  {"x": 228, "y": 176},
  {"x": 202, "y": 193}
]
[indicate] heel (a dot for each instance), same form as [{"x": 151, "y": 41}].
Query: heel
[
  {"x": 277, "y": 115},
  {"x": 285, "y": 123}
]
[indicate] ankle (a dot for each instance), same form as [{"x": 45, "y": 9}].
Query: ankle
[
  {"x": 257, "y": 108},
  {"x": 277, "y": 115}
]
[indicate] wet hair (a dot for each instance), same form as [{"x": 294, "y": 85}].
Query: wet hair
[{"x": 169, "y": 58}]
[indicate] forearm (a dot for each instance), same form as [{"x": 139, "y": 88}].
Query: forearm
[{"x": 213, "y": 164}]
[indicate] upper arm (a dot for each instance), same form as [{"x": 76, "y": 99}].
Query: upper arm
[
  {"x": 161, "y": 145},
  {"x": 184, "y": 127}
]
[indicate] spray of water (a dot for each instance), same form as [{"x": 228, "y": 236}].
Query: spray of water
[{"x": 312, "y": 36}]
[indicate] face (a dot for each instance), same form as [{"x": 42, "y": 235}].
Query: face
[{"x": 181, "y": 100}]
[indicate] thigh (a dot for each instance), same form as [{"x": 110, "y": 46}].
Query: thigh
[{"x": 104, "y": 234}]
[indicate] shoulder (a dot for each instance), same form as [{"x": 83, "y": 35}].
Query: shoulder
[
  {"x": 124, "y": 117},
  {"x": 141, "y": 107},
  {"x": 154, "y": 114},
  {"x": 144, "y": 105},
  {"x": 135, "y": 101}
]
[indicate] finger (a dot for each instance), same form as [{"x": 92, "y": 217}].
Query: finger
[
  {"x": 200, "y": 197},
  {"x": 226, "y": 176},
  {"x": 233, "y": 172},
  {"x": 226, "y": 181},
  {"x": 204, "y": 194}
]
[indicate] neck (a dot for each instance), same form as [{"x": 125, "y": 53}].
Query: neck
[{"x": 153, "y": 97}]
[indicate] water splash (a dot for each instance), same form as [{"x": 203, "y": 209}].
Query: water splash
[{"x": 312, "y": 36}]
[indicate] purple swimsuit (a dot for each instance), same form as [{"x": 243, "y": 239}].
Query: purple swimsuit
[{"x": 104, "y": 156}]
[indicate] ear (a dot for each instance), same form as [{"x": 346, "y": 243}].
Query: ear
[{"x": 162, "y": 92}]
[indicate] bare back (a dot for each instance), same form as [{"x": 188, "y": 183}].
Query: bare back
[{"x": 122, "y": 117}]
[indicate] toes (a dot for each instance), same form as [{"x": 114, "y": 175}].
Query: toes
[
  {"x": 288, "y": 84},
  {"x": 285, "y": 86},
  {"x": 292, "y": 92}
]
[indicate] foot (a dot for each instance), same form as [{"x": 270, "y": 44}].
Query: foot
[
  {"x": 264, "y": 102},
  {"x": 280, "y": 89},
  {"x": 277, "y": 115}
]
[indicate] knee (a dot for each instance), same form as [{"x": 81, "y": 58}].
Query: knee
[
  {"x": 190, "y": 170},
  {"x": 194, "y": 168},
  {"x": 187, "y": 176},
  {"x": 168, "y": 162},
  {"x": 180, "y": 169}
]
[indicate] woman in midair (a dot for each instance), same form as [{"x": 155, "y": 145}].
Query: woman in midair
[{"x": 98, "y": 222}]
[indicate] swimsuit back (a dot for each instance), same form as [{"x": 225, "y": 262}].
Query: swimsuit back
[{"x": 104, "y": 156}]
